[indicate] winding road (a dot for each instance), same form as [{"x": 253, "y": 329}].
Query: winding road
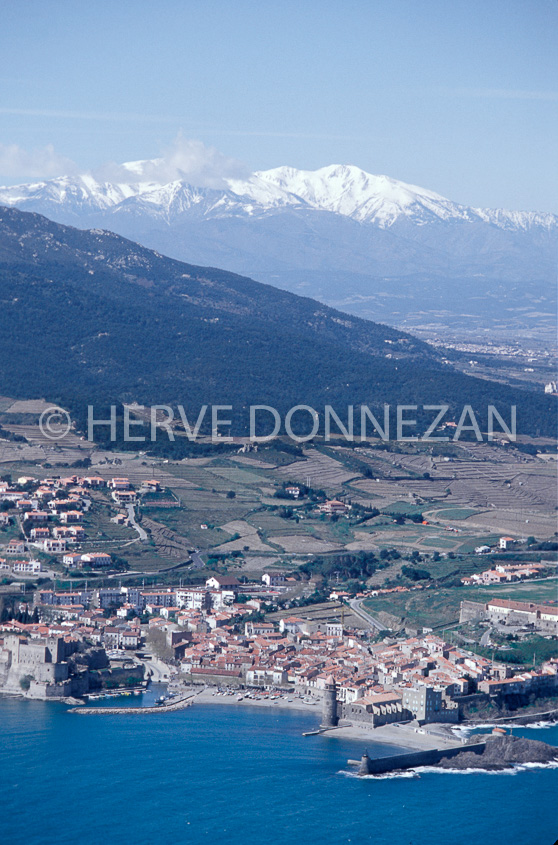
[
  {"x": 358, "y": 610},
  {"x": 132, "y": 520},
  {"x": 485, "y": 639}
]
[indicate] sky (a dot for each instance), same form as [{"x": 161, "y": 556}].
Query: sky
[{"x": 458, "y": 96}]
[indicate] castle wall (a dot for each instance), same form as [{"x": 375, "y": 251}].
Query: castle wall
[
  {"x": 471, "y": 610},
  {"x": 38, "y": 689}
]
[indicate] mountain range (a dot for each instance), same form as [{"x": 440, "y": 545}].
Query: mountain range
[
  {"x": 88, "y": 317},
  {"x": 369, "y": 245}
]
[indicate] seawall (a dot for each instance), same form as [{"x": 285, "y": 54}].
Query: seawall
[{"x": 431, "y": 757}]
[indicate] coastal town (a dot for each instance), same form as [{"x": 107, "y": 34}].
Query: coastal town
[
  {"x": 278, "y": 444},
  {"x": 213, "y": 636},
  {"x": 90, "y": 626}
]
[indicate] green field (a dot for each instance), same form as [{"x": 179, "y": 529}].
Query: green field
[
  {"x": 435, "y": 607},
  {"x": 470, "y": 545},
  {"x": 439, "y": 543},
  {"x": 403, "y": 508},
  {"x": 523, "y": 651}
]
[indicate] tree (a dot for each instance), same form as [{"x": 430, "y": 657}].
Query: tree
[
  {"x": 415, "y": 574},
  {"x": 231, "y": 494}
]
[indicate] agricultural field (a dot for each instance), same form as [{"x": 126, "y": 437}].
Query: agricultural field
[
  {"x": 455, "y": 513},
  {"x": 530, "y": 650},
  {"x": 468, "y": 495}
]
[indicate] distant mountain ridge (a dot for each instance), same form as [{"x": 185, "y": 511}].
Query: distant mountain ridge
[
  {"x": 370, "y": 245},
  {"x": 340, "y": 189}
]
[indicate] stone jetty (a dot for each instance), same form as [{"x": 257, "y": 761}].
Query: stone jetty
[
  {"x": 492, "y": 753},
  {"x": 179, "y": 704}
]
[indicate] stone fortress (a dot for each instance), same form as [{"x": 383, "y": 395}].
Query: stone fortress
[
  {"x": 41, "y": 665},
  {"x": 54, "y": 667}
]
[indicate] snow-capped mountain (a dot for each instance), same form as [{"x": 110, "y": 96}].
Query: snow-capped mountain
[
  {"x": 340, "y": 189},
  {"x": 370, "y": 244}
]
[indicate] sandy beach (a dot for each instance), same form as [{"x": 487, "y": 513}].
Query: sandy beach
[
  {"x": 404, "y": 736},
  {"x": 210, "y": 696}
]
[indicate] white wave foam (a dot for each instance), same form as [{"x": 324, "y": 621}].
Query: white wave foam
[
  {"x": 507, "y": 725},
  {"x": 438, "y": 770},
  {"x": 408, "y": 773}
]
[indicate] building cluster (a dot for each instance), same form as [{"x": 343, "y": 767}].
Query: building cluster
[
  {"x": 521, "y": 614},
  {"x": 505, "y": 544},
  {"x": 50, "y": 512},
  {"x": 218, "y": 636},
  {"x": 333, "y": 507},
  {"x": 215, "y": 602},
  {"x": 504, "y": 573},
  {"x": 83, "y": 614},
  {"x": 420, "y": 678},
  {"x": 20, "y": 567}
]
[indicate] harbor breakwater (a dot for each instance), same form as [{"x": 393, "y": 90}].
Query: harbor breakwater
[
  {"x": 492, "y": 753},
  {"x": 413, "y": 759},
  {"x": 181, "y": 704}
]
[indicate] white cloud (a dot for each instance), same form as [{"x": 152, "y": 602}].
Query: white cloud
[
  {"x": 185, "y": 159},
  {"x": 44, "y": 162}
]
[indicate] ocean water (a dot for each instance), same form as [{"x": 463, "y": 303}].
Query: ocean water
[{"x": 241, "y": 775}]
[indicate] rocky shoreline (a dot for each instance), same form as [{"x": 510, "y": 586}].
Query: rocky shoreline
[
  {"x": 503, "y": 752},
  {"x": 489, "y": 754},
  {"x": 523, "y": 719}
]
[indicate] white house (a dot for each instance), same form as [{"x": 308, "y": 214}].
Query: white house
[
  {"x": 273, "y": 579},
  {"x": 218, "y": 582}
]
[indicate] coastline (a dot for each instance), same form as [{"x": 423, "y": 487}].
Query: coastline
[
  {"x": 405, "y": 736},
  {"x": 521, "y": 719},
  {"x": 402, "y": 736},
  {"x": 207, "y": 696}
]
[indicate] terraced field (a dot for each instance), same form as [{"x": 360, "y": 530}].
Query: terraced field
[
  {"x": 322, "y": 471},
  {"x": 480, "y": 493}
]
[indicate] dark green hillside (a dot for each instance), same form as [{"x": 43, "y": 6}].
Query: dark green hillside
[{"x": 89, "y": 317}]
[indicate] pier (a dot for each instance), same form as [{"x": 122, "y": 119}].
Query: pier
[
  {"x": 400, "y": 762},
  {"x": 180, "y": 704}
]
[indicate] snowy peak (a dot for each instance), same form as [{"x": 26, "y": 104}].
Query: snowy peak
[
  {"x": 139, "y": 188},
  {"x": 352, "y": 192}
]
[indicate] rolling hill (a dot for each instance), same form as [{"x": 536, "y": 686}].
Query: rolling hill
[{"x": 90, "y": 317}]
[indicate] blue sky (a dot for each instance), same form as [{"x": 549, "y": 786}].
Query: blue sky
[{"x": 459, "y": 96}]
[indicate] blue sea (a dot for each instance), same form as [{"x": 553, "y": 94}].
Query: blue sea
[{"x": 241, "y": 775}]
